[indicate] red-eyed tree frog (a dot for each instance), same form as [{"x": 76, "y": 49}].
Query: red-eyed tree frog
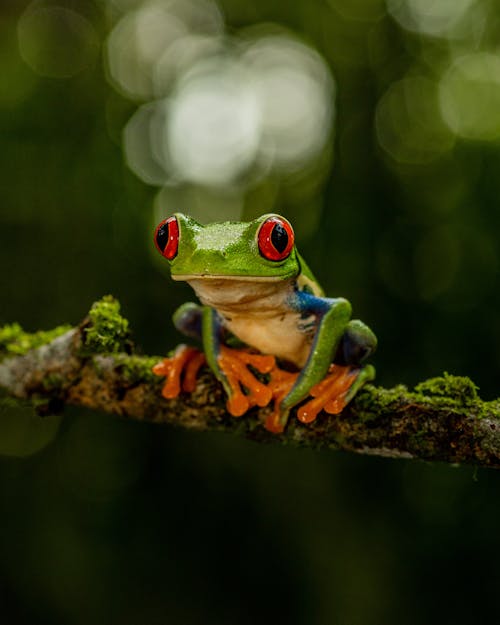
[{"x": 262, "y": 309}]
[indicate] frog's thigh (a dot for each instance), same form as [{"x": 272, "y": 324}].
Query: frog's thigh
[
  {"x": 187, "y": 319},
  {"x": 357, "y": 343}
]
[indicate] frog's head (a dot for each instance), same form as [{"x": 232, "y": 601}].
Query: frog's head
[{"x": 262, "y": 249}]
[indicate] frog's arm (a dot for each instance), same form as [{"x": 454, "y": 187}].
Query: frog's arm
[
  {"x": 332, "y": 317},
  {"x": 211, "y": 331}
]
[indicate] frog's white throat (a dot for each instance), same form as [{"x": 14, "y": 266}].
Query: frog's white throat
[{"x": 231, "y": 295}]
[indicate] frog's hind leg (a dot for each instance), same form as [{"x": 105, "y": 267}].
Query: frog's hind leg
[
  {"x": 357, "y": 343},
  {"x": 187, "y": 319},
  {"x": 363, "y": 376},
  {"x": 345, "y": 376},
  {"x": 335, "y": 391}
]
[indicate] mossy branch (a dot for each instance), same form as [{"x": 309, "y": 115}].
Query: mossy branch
[{"x": 94, "y": 365}]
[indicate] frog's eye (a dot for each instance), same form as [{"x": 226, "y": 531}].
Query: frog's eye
[
  {"x": 167, "y": 237},
  {"x": 275, "y": 238}
]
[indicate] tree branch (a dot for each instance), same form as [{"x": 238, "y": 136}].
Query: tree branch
[{"x": 94, "y": 365}]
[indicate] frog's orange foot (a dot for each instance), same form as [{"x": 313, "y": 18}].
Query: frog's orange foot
[
  {"x": 180, "y": 370},
  {"x": 245, "y": 389},
  {"x": 329, "y": 394},
  {"x": 281, "y": 383}
]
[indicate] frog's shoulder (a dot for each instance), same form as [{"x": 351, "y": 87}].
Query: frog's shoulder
[{"x": 306, "y": 280}]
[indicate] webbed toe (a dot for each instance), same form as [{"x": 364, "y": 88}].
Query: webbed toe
[
  {"x": 180, "y": 370},
  {"x": 245, "y": 390},
  {"x": 335, "y": 391}
]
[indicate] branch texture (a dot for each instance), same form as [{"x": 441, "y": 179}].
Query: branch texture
[{"x": 94, "y": 365}]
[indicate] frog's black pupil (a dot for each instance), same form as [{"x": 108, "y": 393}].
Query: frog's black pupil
[
  {"x": 279, "y": 238},
  {"x": 162, "y": 236}
]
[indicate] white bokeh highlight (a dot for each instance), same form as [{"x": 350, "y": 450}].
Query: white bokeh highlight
[
  {"x": 214, "y": 125},
  {"x": 296, "y": 91},
  {"x": 141, "y": 38},
  {"x": 217, "y": 111}
]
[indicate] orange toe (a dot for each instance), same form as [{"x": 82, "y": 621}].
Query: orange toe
[
  {"x": 187, "y": 360},
  {"x": 273, "y": 423},
  {"x": 191, "y": 371},
  {"x": 329, "y": 394},
  {"x": 280, "y": 385},
  {"x": 246, "y": 389}
]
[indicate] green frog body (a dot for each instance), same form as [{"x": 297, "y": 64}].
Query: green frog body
[{"x": 262, "y": 308}]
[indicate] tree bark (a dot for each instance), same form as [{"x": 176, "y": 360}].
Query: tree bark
[{"x": 441, "y": 419}]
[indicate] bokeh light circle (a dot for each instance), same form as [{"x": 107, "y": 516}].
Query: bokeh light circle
[
  {"x": 135, "y": 45},
  {"x": 143, "y": 39},
  {"x": 214, "y": 123},
  {"x": 23, "y": 433},
  {"x": 180, "y": 57},
  {"x": 143, "y": 129},
  {"x": 56, "y": 42},
  {"x": 469, "y": 96},
  {"x": 296, "y": 91},
  {"x": 408, "y": 123},
  {"x": 428, "y": 16}
]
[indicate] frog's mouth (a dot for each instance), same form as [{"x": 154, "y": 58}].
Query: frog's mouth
[{"x": 205, "y": 276}]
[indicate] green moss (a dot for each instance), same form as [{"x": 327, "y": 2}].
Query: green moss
[
  {"x": 136, "y": 369},
  {"x": 108, "y": 332},
  {"x": 456, "y": 393},
  {"x": 458, "y": 389},
  {"x": 374, "y": 401},
  {"x": 14, "y": 341}
]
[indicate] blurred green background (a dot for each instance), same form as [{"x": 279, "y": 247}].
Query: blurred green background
[{"x": 375, "y": 127}]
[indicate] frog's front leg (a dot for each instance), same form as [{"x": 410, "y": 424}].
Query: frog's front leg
[
  {"x": 230, "y": 367},
  {"x": 331, "y": 385}
]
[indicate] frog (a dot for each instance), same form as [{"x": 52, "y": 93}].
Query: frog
[{"x": 267, "y": 331}]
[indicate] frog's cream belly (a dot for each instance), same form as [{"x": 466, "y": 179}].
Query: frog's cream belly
[
  {"x": 279, "y": 336},
  {"x": 259, "y": 314}
]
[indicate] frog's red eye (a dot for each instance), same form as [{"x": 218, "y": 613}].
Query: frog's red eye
[
  {"x": 167, "y": 237},
  {"x": 275, "y": 238}
]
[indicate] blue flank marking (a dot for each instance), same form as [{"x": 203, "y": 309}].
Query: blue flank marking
[{"x": 304, "y": 302}]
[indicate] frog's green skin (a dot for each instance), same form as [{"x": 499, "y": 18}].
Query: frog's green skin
[{"x": 276, "y": 307}]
